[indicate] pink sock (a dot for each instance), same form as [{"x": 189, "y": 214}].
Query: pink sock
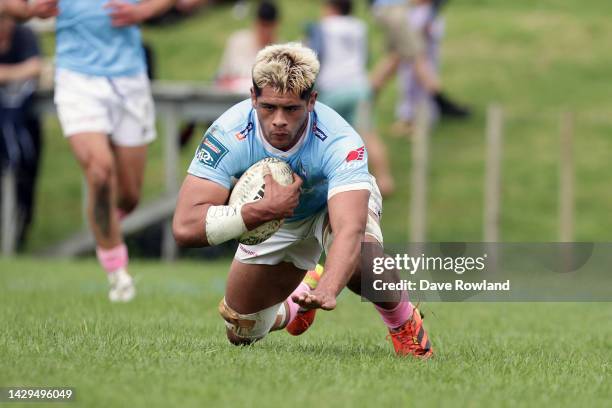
[
  {"x": 397, "y": 316},
  {"x": 113, "y": 259},
  {"x": 294, "y": 307}
]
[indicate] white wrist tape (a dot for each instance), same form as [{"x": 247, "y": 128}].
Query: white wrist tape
[{"x": 224, "y": 222}]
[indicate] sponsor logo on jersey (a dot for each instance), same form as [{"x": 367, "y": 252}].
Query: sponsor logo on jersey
[
  {"x": 211, "y": 146},
  {"x": 317, "y": 131},
  {"x": 211, "y": 151},
  {"x": 245, "y": 132},
  {"x": 356, "y": 155}
]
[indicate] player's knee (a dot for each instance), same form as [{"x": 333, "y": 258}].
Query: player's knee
[
  {"x": 99, "y": 172},
  {"x": 243, "y": 329}
]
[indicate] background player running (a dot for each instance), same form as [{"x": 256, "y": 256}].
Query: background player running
[{"x": 104, "y": 104}]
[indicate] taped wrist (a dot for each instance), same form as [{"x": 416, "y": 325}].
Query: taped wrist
[{"x": 224, "y": 222}]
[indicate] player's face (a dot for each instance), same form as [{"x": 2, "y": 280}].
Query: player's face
[{"x": 282, "y": 116}]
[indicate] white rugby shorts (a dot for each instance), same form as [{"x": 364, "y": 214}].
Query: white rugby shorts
[
  {"x": 302, "y": 242},
  {"x": 121, "y": 107}
]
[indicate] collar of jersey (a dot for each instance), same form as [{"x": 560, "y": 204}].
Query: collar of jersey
[{"x": 273, "y": 150}]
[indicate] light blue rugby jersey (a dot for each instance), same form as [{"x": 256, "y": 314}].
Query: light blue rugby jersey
[
  {"x": 330, "y": 157},
  {"x": 86, "y": 41}
]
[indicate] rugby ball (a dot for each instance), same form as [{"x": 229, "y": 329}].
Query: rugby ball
[{"x": 251, "y": 187}]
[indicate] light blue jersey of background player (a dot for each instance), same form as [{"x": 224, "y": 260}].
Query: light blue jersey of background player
[
  {"x": 330, "y": 156},
  {"x": 86, "y": 41}
]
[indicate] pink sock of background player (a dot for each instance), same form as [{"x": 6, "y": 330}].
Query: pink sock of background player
[{"x": 113, "y": 259}]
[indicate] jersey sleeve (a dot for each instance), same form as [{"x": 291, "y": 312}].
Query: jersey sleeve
[
  {"x": 217, "y": 157},
  {"x": 346, "y": 164}
]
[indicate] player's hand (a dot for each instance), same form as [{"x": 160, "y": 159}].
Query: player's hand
[
  {"x": 315, "y": 300},
  {"x": 43, "y": 9},
  {"x": 124, "y": 14},
  {"x": 280, "y": 200}
]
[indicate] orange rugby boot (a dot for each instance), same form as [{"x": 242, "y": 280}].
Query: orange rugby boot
[{"x": 411, "y": 338}]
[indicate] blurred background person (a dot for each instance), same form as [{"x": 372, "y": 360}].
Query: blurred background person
[
  {"x": 24, "y": 10},
  {"x": 404, "y": 44},
  {"x": 189, "y": 6},
  {"x": 104, "y": 104},
  {"x": 20, "y": 131},
  {"x": 234, "y": 72},
  {"x": 340, "y": 41},
  {"x": 181, "y": 10},
  {"x": 424, "y": 17}
]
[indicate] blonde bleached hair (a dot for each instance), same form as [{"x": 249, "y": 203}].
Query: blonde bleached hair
[{"x": 286, "y": 68}]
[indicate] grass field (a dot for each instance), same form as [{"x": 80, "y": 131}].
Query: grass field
[{"x": 167, "y": 348}]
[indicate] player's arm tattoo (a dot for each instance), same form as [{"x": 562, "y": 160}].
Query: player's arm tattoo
[{"x": 102, "y": 206}]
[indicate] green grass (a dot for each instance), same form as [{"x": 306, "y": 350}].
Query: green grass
[{"x": 167, "y": 348}]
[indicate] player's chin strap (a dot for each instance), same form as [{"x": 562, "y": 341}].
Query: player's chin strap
[{"x": 224, "y": 222}]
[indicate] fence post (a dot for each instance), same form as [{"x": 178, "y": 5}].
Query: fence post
[
  {"x": 492, "y": 188},
  {"x": 9, "y": 212},
  {"x": 566, "y": 179},
  {"x": 171, "y": 160},
  {"x": 420, "y": 165},
  {"x": 84, "y": 203}
]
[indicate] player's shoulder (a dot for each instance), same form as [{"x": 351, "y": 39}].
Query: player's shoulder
[
  {"x": 227, "y": 136},
  {"x": 335, "y": 140},
  {"x": 236, "y": 123},
  {"x": 330, "y": 126}
]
